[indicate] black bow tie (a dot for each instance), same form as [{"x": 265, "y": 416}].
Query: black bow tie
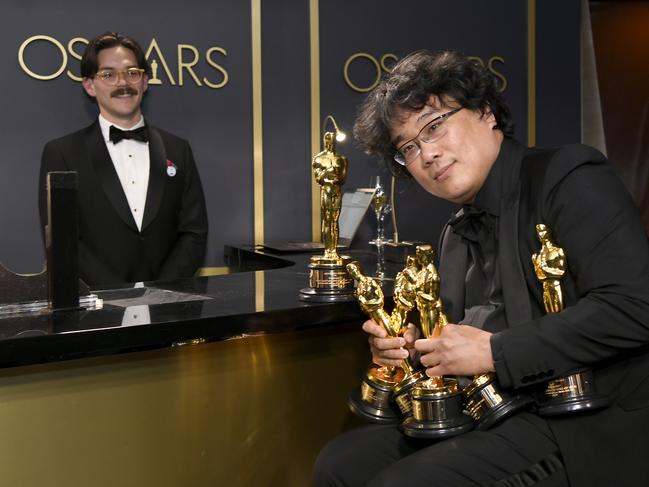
[
  {"x": 140, "y": 133},
  {"x": 471, "y": 223}
]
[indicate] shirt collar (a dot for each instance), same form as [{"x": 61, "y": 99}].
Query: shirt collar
[{"x": 104, "y": 125}]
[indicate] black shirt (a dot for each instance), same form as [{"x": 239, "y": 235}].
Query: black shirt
[{"x": 477, "y": 224}]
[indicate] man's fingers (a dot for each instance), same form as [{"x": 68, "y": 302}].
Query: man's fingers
[
  {"x": 411, "y": 334},
  {"x": 387, "y": 343},
  {"x": 373, "y": 329},
  {"x": 436, "y": 371},
  {"x": 425, "y": 345},
  {"x": 393, "y": 353},
  {"x": 429, "y": 360}
]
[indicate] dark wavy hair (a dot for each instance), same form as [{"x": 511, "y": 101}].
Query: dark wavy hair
[
  {"x": 448, "y": 75},
  {"x": 89, "y": 63}
]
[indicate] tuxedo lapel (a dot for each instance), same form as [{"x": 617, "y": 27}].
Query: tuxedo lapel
[
  {"x": 157, "y": 176},
  {"x": 107, "y": 176},
  {"x": 517, "y": 305},
  {"x": 452, "y": 269}
]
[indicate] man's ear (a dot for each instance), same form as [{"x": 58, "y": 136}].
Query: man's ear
[
  {"x": 489, "y": 117},
  {"x": 89, "y": 86}
]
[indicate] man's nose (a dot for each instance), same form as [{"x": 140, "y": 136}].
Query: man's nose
[
  {"x": 121, "y": 79},
  {"x": 429, "y": 152}
]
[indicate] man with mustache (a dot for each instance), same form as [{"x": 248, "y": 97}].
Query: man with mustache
[
  {"x": 440, "y": 119},
  {"x": 142, "y": 214}
]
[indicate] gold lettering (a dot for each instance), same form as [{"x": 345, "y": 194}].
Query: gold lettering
[
  {"x": 187, "y": 65},
  {"x": 383, "y": 66},
  {"x": 154, "y": 47},
  {"x": 498, "y": 74},
  {"x": 75, "y": 54},
  {"x": 476, "y": 58},
  {"x": 154, "y": 56},
  {"x": 377, "y": 67},
  {"x": 384, "y": 58},
  {"x": 211, "y": 62},
  {"x": 21, "y": 57}
]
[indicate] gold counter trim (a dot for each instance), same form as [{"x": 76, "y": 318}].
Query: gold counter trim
[
  {"x": 314, "y": 30},
  {"x": 214, "y": 271},
  {"x": 531, "y": 73},
  {"x": 260, "y": 291},
  {"x": 257, "y": 134}
]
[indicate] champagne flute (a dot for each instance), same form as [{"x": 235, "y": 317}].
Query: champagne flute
[{"x": 381, "y": 209}]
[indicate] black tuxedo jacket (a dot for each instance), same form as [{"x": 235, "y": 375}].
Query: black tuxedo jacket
[
  {"x": 605, "y": 325},
  {"x": 172, "y": 241}
]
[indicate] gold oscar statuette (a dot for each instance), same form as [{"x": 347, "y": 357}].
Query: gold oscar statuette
[
  {"x": 575, "y": 391},
  {"x": 383, "y": 386},
  {"x": 328, "y": 278},
  {"x": 488, "y": 404},
  {"x": 437, "y": 410}
]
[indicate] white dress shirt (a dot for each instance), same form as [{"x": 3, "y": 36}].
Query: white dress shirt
[{"x": 131, "y": 161}]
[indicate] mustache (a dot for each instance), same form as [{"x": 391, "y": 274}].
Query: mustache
[{"x": 124, "y": 90}]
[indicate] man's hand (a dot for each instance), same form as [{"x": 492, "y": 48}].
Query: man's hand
[
  {"x": 388, "y": 350},
  {"x": 459, "y": 350}
]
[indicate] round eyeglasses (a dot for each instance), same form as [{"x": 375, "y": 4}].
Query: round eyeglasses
[
  {"x": 110, "y": 77},
  {"x": 429, "y": 133}
]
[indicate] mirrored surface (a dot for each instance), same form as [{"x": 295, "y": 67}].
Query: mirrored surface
[{"x": 161, "y": 314}]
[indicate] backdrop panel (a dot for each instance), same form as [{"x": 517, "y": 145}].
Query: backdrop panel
[
  {"x": 368, "y": 36},
  {"x": 204, "y": 92},
  {"x": 203, "y": 58}
]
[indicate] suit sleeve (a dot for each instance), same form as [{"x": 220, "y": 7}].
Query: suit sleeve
[
  {"x": 188, "y": 253},
  {"x": 594, "y": 220},
  {"x": 91, "y": 269}
]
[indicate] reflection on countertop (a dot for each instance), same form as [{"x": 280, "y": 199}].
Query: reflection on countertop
[{"x": 160, "y": 314}]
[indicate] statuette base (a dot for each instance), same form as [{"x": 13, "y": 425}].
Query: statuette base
[
  {"x": 488, "y": 405},
  {"x": 403, "y": 389},
  {"x": 571, "y": 393},
  {"x": 436, "y": 410},
  {"x": 328, "y": 281},
  {"x": 373, "y": 400}
]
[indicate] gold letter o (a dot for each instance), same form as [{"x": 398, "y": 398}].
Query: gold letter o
[
  {"x": 21, "y": 59},
  {"x": 373, "y": 61}
]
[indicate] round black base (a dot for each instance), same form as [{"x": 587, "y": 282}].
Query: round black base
[
  {"x": 502, "y": 411},
  {"x": 557, "y": 407},
  {"x": 436, "y": 429},
  {"x": 326, "y": 295},
  {"x": 371, "y": 413}
]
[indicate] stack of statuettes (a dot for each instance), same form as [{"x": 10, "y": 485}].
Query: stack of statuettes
[{"x": 435, "y": 407}]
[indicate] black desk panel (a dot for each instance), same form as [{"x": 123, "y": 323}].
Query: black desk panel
[{"x": 162, "y": 314}]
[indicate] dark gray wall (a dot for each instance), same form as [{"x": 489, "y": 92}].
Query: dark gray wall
[
  {"x": 218, "y": 122},
  {"x": 489, "y": 30}
]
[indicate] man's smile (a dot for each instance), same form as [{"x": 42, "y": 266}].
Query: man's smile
[{"x": 442, "y": 173}]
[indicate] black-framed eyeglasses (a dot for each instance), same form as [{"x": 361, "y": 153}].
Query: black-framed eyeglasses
[
  {"x": 429, "y": 133},
  {"x": 111, "y": 77}
]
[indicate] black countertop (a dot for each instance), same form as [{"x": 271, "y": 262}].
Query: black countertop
[{"x": 162, "y": 314}]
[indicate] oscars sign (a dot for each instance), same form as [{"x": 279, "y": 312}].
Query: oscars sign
[
  {"x": 363, "y": 71},
  {"x": 187, "y": 59}
]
